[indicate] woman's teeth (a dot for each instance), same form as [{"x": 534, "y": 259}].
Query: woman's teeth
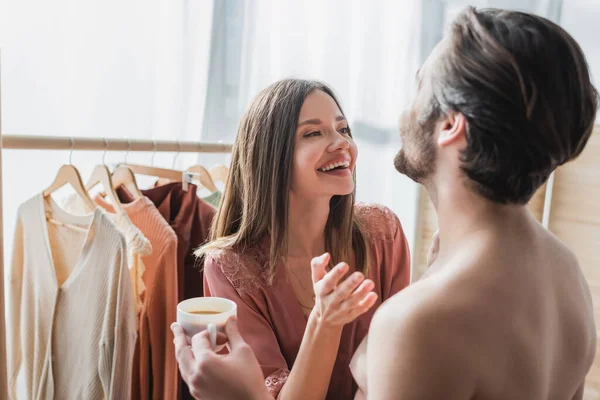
[{"x": 343, "y": 164}]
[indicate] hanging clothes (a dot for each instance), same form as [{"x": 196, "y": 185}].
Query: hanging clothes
[
  {"x": 214, "y": 199},
  {"x": 190, "y": 218},
  {"x": 155, "y": 374},
  {"x": 71, "y": 319},
  {"x": 138, "y": 246}
]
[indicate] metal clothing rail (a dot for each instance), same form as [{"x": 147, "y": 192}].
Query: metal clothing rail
[{"x": 26, "y": 142}]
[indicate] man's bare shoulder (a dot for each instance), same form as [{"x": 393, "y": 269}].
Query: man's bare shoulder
[
  {"x": 431, "y": 303},
  {"x": 416, "y": 330}
]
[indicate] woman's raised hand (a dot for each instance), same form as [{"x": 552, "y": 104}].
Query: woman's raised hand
[{"x": 338, "y": 303}]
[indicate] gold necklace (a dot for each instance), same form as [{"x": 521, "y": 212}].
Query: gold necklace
[
  {"x": 305, "y": 307},
  {"x": 303, "y": 287}
]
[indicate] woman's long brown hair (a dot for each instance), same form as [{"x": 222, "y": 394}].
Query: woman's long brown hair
[{"x": 256, "y": 197}]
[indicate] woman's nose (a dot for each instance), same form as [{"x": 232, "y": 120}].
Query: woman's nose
[{"x": 339, "y": 142}]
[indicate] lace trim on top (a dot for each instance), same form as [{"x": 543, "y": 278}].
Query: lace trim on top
[
  {"x": 379, "y": 222},
  {"x": 247, "y": 271},
  {"x": 276, "y": 380}
]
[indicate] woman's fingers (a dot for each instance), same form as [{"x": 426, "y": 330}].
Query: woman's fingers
[
  {"x": 348, "y": 311},
  {"x": 360, "y": 300},
  {"x": 342, "y": 301},
  {"x": 183, "y": 351},
  {"x": 221, "y": 338},
  {"x": 345, "y": 289},
  {"x": 318, "y": 265},
  {"x": 364, "y": 305},
  {"x": 201, "y": 344},
  {"x": 359, "y": 294},
  {"x": 330, "y": 280},
  {"x": 233, "y": 334}
]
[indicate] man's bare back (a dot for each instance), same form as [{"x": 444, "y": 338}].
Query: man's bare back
[{"x": 507, "y": 315}]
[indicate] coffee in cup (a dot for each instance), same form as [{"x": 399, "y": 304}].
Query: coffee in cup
[{"x": 196, "y": 314}]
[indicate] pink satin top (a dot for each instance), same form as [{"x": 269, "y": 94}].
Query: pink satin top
[{"x": 270, "y": 317}]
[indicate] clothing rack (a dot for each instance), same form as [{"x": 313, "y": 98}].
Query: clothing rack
[{"x": 28, "y": 142}]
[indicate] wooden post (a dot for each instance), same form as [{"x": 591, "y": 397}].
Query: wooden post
[
  {"x": 548, "y": 201},
  {"x": 3, "y": 349}
]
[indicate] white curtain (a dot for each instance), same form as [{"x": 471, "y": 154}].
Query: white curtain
[
  {"x": 367, "y": 51},
  {"x": 111, "y": 68}
]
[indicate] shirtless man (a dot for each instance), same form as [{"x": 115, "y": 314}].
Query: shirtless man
[{"x": 504, "y": 311}]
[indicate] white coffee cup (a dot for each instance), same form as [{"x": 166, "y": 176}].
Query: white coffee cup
[{"x": 191, "y": 318}]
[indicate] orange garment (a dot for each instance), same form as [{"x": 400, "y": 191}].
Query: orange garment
[
  {"x": 155, "y": 374},
  {"x": 190, "y": 218},
  {"x": 270, "y": 317}
]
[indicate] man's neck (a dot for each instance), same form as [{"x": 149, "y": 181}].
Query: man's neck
[{"x": 463, "y": 215}]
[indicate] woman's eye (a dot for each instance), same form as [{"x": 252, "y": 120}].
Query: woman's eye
[
  {"x": 311, "y": 134},
  {"x": 345, "y": 130}
]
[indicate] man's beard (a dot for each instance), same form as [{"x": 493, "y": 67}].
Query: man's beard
[{"x": 418, "y": 140}]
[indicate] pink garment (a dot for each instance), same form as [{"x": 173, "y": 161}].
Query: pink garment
[
  {"x": 155, "y": 374},
  {"x": 272, "y": 321}
]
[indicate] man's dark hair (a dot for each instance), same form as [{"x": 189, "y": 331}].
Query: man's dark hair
[{"x": 524, "y": 86}]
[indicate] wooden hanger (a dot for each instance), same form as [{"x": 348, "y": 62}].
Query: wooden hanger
[
  {"x": 123, "y": 176},
  {"x": 68, "y": 174},
  {"x": 101, "y": 174},
  {"x": 201, "y": 174},
  {"x": 219, "y": 173},
  {"x": 165, "y": 173}
]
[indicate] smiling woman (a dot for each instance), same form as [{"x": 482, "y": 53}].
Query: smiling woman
[
  {"x": 282, "y": 142},
  {"x": 325, "y": 154},
  {"x": 291, "y": 197}
]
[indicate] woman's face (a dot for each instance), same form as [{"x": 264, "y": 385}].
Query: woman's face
[{"x": 325, "y": 154}]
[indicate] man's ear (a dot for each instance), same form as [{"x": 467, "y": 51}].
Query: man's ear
[{"x": 453, "y": 129}]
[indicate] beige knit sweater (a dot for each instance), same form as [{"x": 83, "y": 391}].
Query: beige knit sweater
[
  {"x": 71, "y": 320},
  {"x": 138, "y": 246}
]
